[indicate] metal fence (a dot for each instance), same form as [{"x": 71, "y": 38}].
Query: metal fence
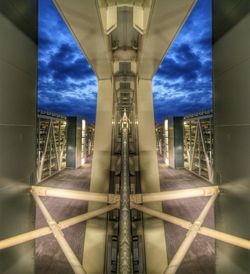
[
  {"x": 198, "y": 144},
  {"x": 51, "y": 144}
]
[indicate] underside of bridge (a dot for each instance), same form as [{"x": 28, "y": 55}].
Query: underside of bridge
[{"x": 125, "y": 42}]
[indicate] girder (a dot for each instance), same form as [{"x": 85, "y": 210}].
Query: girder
[{"x": 194, "y": 228}]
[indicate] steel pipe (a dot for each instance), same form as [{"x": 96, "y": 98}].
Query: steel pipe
[
  {"x": 212, "y": 233},
  {"x": 174, "y": 194},
  {"x": 124, "y": 221},
  {"x": 75, "y": 194},
  {"x": 163, "y": 216},
  {"x": 136, "y": 198},
  {"x": 24, "y": 237},
  {"x": 225, "y": 237},
  {"x": 84, "y": 217}
]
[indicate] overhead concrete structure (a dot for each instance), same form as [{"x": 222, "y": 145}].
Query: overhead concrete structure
[
  {"x": 98, "y": 26},
  {"x": 125, "y": 42}
]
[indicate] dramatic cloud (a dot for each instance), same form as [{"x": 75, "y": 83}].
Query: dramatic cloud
[
  {"x": 183, "y": 82},
  {"x": 67, "y": 84}
]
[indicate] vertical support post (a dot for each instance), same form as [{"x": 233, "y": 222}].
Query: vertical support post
[
  {"x": 156, "y": 254},
  {"x": 95, "y": 235},
  {"x": 175, "y": 142},
  {"x": 55, "y": 147},
  {"x": 208, "y": 163},
  {"x": 59, "y": 144},
  {"x": 210, "y": 139},
  {"x": 39, "y": 154},
  {"x": 189, "y": 149},
  {"x": 199, "y": 145},
  {"x": 41, "y": 164},
  {"x": 193, "y": 149},
  {"x": 50, "y": 148},
  {"x": 74, "y": 142}
]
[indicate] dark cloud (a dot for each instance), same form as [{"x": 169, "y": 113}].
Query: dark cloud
[
  {"x": 183, "y": 82},
  {"x": 185, "y": 65},
  {"x": 205, "y": 42},
  {"x": 75, "y": 70},
  {"x": 44, "y": 42},
  {"x": 72, "y": 107},
  {"x": 67, "y": 84},
  {"x": 181, "y": 105}
]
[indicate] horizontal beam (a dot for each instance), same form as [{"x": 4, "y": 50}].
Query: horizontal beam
[
  {"x": 24, "y": 237},
  {"x": 163, "y": 216},
  {"x": 89, "y": 215},
  {"x": 224, "y": 237},
  {"x": 212, "y": 233},
  {"x": 114, "y": 198},
  {"x": 75, "y": 194},
  {"x": 202, "y": 117},
  {"x": 174, "y": 194},
  {"x": 31, "y": 235}
]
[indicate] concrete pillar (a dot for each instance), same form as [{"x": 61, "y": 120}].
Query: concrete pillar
[
  {"x": 175, "y": 142},
  {"x": 18, "y": 81},
  {"x": 75, "y": 141},
  {"x": 154, "y": 233},
  {"x": 231, "y": 58},
  {"x": 95, "y": 235}
]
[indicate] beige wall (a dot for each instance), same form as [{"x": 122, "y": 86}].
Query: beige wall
[
  {"x": 154, "y": 234},
  {"x": 18, "y": 67},
  {"x": 94, "y": 244},
  {"x": 232, "y": 143}
]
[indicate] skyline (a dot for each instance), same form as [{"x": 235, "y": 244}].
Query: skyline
[{"x": 67, "y": 84}]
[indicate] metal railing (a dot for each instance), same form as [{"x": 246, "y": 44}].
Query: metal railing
[
  {"x": 51, "y": 144},
  {"x": 198, "y": 144}
]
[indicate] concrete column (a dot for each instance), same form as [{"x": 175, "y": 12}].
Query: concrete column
[
  {"x": 18, "y": 81},
  {"x": 154, "y": 233},
  {"x": 232, "y": 133},
  {"x": 95, "y": 235},
  {"x": 74, "y": 142},
  {"x": 175, "y": 142}
]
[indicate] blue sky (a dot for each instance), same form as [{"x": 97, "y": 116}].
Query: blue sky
[{"x": 67, "y": 84}]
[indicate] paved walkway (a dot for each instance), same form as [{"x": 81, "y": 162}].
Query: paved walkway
[
  {"x": 49, "y": 257},
  {"x": 200, "y": 259}
]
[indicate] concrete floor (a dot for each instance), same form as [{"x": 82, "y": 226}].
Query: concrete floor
[
  {"x": 49, "y": 258},
  {"x": 200, "y": 259}
]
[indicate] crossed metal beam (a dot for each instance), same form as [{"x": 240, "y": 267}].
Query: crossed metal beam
[{"x": 136, "y": 201}]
